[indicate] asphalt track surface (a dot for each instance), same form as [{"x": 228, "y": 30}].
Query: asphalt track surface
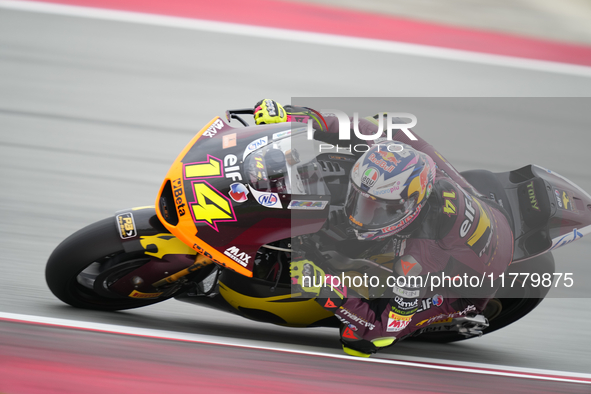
[{"x": 92, "y": 113}]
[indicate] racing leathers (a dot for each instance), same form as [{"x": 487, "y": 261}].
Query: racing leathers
[
  {"x": 454, "y": 250},
  {"x": 458, "y": 245}
]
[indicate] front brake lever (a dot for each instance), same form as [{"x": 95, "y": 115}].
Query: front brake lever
[{"x": 233, "y": 114}]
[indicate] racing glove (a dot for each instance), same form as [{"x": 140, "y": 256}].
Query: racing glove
[
  {"x": 269, "y": 111},
  {"x": 307, "y": 275},
  {"x": 313, "y": 280}
]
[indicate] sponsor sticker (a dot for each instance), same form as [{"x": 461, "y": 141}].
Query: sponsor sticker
[
  {"x": 126, "y": 225},
  {"x": 563, "y": 199},
  {"x": 254, "y": 145},
  {"x": 298, "y": 118},
  {"x": 179, "y": 198},
  {"x": 566, "y": 239},
  {"x": 266, "y": 199},
  {"x": 533, "y": 201},
  {"x": 406, "y": 293},
  {"x": 231, "y": 168},
  {"x": 558, "y": 199},
  {"x": 425, "y": 304},
  {"x": 446, "y": 318},
  {"x": 391, "y": 189},
  {"x": 281, "y": 134},
  {"x": 370, "y": 177},
  {"x": 138, "y": 294},
  {"x": 303, "y": 204},
  {"x": 437, "y": 300},
  {"x": 213, "y": 129},
  {"x": 342, "y": 158},
  {"x": 352, "y": 219},
  {"x": 238, "y": 192},
  {"x": 235, "y": 254},
  {"x": 386, "y": 165},
  {"x": 407, "y": 266},
  {"x": 397, "y": 322},
  {"x": 350, "y": 315},
  {"x": 406, "y": 305},
  {"x": 228, "y": 141}
]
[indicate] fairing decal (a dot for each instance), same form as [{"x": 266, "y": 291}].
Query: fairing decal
[{"x": 202, "y": 209}]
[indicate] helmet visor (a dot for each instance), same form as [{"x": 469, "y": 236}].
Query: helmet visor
[{"x": 372, "y": 213}]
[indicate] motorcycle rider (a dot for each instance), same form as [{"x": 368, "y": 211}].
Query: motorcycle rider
[{"x": 428, "y": 219}]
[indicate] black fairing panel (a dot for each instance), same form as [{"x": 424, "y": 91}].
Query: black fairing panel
[{"x": 533, "y": 199}]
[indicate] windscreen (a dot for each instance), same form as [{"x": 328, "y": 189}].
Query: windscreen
[{"x": 286, "y": 165}]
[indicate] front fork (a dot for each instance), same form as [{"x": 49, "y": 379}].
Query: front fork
[{"x": 170, "y": 259}]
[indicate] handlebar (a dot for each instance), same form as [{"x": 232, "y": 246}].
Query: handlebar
[{"x": 233, "y": 114}]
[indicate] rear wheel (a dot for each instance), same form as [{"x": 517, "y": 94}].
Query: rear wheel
[
  {"x": 81, "y": 269},
  {"x": 510, "y": 305}
]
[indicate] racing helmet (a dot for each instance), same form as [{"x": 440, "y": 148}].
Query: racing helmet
[{"x": 389, "y": 185}]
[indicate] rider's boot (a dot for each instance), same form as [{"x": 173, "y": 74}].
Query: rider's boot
[{"x": 353, "y": 345}]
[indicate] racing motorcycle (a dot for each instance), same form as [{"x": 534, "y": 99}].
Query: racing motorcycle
[{"x": 237, "y": 203}]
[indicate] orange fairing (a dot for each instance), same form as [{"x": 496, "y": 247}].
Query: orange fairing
[{"x": 186, "y": 229}]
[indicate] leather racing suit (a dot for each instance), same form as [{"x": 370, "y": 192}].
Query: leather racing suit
[{"x": 460, "y": 237}]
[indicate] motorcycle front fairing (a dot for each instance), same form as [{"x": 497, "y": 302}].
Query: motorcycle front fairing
[{"x": 228, "y": 192}]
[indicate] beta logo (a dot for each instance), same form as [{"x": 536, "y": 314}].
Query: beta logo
[
  {"x": 235, "y": 254},
  {"x": 238, "y": 192},
  {"x": 177, "y": 190}
]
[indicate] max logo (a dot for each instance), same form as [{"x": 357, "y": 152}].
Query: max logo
[
  {"x": 213, "y": 129},
  {"x": 345, "y": 125},
  {"x": 235, "y": 254},
  {"x": 532, "y": 196}
]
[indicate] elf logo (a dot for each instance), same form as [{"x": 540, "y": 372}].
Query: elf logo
[{"x": 234, "y": 253}]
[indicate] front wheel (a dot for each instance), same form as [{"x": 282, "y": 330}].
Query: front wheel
[{"x": 90, "y": 260}]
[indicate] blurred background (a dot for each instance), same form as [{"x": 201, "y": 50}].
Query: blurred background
[
  {"x": 566, "y": 21},
  {"x": 95, "y": 106}
]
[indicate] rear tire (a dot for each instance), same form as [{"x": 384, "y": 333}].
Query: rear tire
[
  {"x": 98, "y": 242},
  {"x": 515, "y": 303}
]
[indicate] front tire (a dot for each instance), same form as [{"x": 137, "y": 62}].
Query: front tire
[{"x": 98, "y": 243}]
